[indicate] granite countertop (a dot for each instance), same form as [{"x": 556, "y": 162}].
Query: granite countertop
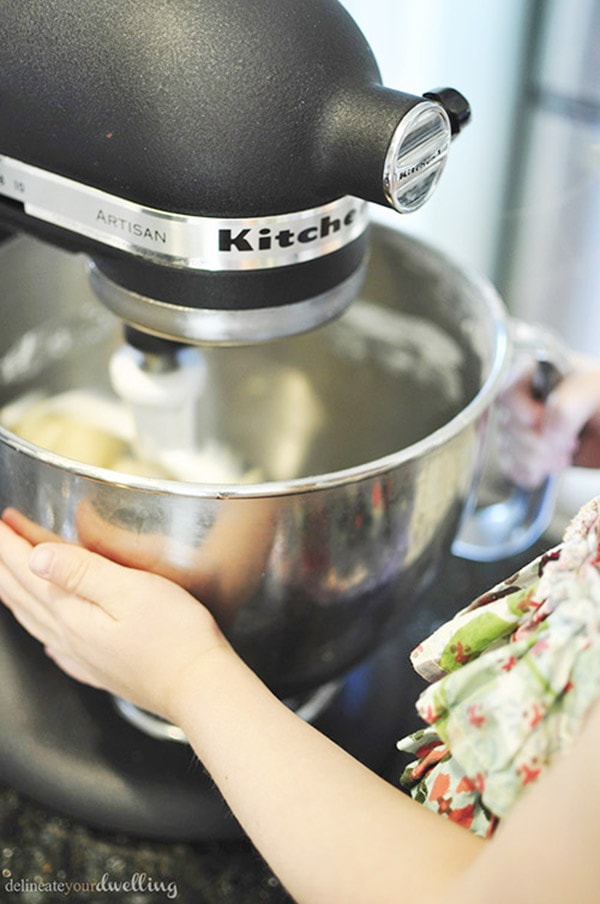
[{"x": 41, "y": 849}]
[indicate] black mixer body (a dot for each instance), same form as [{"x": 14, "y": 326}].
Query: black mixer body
[{"x": 214, "y": 158}]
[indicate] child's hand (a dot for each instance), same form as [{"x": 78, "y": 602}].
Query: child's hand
[
  {"x": 538, "y": 439},
  {"x": 127, "y": 631}
]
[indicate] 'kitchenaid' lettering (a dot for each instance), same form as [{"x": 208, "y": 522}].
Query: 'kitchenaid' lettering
[
  {"x": 264, "y": 239},
  {"x": 194, "y": 242},
  {"x": 124, "y": 225},
  {"x": 420, "y": 166}
]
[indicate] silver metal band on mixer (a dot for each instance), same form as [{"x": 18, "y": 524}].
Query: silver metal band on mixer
[{"x": 193, "y": 242}]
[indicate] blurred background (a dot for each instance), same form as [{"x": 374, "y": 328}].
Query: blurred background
[{"x": 520, "y": 199}]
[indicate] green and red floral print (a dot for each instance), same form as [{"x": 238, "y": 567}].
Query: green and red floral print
[{"x": 513, "y": 676}]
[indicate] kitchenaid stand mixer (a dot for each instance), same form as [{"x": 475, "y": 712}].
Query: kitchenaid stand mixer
[
  {"x": 214, "y": 161},
  {"x": 212, "y": 158}
]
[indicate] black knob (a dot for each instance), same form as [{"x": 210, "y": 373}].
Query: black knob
[{"x": 455, "y": 104}]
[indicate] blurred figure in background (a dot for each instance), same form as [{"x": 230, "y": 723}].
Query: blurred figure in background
[{"x": 542, "y": 438}]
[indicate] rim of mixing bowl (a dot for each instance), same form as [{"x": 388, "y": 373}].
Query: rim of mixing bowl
[{"x": 490, "y": 299}]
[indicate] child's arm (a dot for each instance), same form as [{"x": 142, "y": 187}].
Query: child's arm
[{"x": 331, "y": 830}]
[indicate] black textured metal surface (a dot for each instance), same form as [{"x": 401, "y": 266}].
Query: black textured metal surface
[
  {"x": 220, "y": 108},
  {"x": 199, "y": 106}
]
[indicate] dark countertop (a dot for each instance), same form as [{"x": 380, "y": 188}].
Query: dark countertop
[{"x": 42, "y": 846}]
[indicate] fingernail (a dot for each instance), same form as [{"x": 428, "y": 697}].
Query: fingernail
[{"x": 40, "y": 561}]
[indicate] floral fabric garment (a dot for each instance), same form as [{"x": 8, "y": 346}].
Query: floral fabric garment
[{"x": 513, "y": 677}]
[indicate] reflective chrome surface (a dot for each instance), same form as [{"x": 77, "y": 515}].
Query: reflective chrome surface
[
  {"x": 364, "y": 435},
  {"x": 225, "y": 327},
  {"x": 416, "y": 156},
  {"x": 194, "y": 242}
]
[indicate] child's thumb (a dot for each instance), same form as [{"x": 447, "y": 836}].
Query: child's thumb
[{"x": 75, "y": 570}]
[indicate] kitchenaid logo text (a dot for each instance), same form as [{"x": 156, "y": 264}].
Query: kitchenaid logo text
[
  {"x": 421, "y": 165},
  {"x": 266, "y": 238},
  {"x": 228, "y": 244},
  {"x": 186, "y": 240}
]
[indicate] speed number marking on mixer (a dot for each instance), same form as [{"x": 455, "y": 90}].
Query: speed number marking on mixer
[{"x": 202, "y": 243}]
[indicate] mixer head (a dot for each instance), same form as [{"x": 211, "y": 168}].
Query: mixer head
[{"x": 213, "y": 158}]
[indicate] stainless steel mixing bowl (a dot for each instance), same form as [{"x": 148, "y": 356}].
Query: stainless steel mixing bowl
[{"x": 366, "y": 435}]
